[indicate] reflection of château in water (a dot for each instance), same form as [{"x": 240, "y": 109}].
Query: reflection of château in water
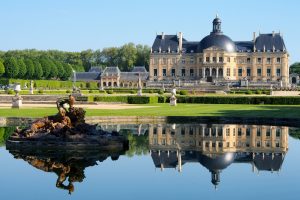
[{"x": 217, "y": 146}]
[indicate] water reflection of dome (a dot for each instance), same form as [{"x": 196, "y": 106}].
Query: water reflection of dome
[{"x": 215, "y": 164}]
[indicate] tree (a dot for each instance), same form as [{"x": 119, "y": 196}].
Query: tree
[
  {"x": 22, "y": 68},
  {"x": 143, "y": 55},
  {"x": 295, "y": 68},
  {"x": 109, "y": 56},
  {"x": 53, "y": 70},
  {"x": 30, "y": 68},
  {"x": 2, "y": 69},
  {"x": 68, "y": 71},
  {"x": 127, "y": 55},
  {"x": 46, "y": 66},
  {"x": 11, "y": 68},
  {"x": 60, "y": 69},
  {"x": 38, "y": 70},
  {"x": 86, "y": 57}
]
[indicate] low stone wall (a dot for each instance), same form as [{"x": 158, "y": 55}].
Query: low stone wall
[{"x": 285, "y": 93}]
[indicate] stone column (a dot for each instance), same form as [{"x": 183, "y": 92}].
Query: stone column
[
  {"x": 210, "y": 71},
  {"x": 217, "y": 72},
  {"x": 203, "y": 72}
]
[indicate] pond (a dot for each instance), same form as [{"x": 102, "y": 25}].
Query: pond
[{"x": 164, "y": 161}]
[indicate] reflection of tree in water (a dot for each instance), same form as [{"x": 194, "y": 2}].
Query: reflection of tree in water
[
  {"x": 67, "y": 165},
  {"x": 295, "y": 133},
  {"x": 5, "y": 132},
  {"x": 138, "y": 144}
]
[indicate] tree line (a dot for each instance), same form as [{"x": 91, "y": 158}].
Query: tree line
[{"x": 54, "y": 64}]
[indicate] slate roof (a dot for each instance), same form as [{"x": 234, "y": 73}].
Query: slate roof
[
  {"x": 168, "y": 41},
  {"x": 139, "y": 69},
  {"x": 87, "y": 76},
  {"x": 263, "y": 40},
  {"x": 133, "y": 76},
  {"x": 96, "y": 69},
  {"x": 244, "y": 46},
  {"x": 111, "y": 71},
  {"x": 269, "y": 41}
]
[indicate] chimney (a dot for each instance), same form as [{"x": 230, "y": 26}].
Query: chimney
[
  {"x": 180, "y": 41},
  {"x": 254, "y": 36},
  {"x": 162, "y": 35}
]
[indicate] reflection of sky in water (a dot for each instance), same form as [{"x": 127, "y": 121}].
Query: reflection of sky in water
[{"x": 137, "y": 178}]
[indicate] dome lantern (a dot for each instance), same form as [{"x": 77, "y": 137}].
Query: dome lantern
[{"x": 217, "y": 25}]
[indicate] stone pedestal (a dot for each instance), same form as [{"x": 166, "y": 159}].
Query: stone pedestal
[
  {"x": 173, "y": 100},
  {"x": 17, "y": 101},
  {"x": 139, "y": 92}
]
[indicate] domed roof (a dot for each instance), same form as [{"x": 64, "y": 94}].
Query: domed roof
[
  {"x": 219, "y": 40},
  {"x": 217, "y": 162}
]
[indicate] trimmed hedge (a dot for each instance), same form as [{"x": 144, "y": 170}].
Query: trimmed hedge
[
  {"x": 142, "y": 99},
  {"x": 122, "y": 99},
  {"x": 128, "y": 99},
  {"x": 240, "y": 100}
]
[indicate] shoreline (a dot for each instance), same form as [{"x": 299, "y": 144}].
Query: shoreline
[{"x": 23, "y": 121}]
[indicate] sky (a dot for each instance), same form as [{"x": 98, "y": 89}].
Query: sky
[{"x": 76, "y": 25}]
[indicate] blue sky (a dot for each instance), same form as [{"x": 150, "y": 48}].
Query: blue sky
[{"x": 75, "y": 25}]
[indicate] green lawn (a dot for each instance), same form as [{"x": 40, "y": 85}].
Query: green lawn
[{"x": 226, "y": 110}]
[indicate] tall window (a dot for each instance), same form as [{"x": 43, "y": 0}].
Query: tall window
[
  {"x": 220, "y": 59},
  {"x": 191, "y": 60},
  {"x": 248, "y": 72},
  {"x": 278, "y": 72},
  {"x": 191, "y": 72},
  {"x": 183, "y": 61},
  {"x": 269, "y": 72},
  {"x": 207, "y": 59},
  {"x": 259, "y": 72},
  {"x": 200, "y": 60},
  {"x": 214, "y": 59},
  {"x": 248, "y": 60},
  {"x": 248, "y": 130},
  {"x": 173, "y": 72},
  {"x": 156, "y": 61},
  {"x": 173, "y": 60},
  {"x": 258, "y": 132},
  {"x": 268, "y": 132},
  {"x": 228, "y": 59},
  {"x": 240, "y": 72},
  {"x": 278, "y": 60},
  {"x": 155, "y": 72},
  {"x": 259, "y": 60},
  {"x": 165, "y": 61},
  {"x": 228, "y": 71},
  {"x": 182, "y": 72},
  {"x": 268, "y": 60},
  {"x": 164, "y": 72}
]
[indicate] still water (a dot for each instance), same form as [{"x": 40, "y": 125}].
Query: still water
[{"x": 164, "y": 161}]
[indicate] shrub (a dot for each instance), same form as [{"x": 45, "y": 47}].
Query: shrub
[
  {"x": 161, "y": 92},
  {"x": 248, "y": 92},
  {"x": 110, "y": 91},
  {"x": 258, "y": 92},
  {"x": 142, "y": 99},
  {"x": 150, "y": 91},
  {"x": 122, "y": 99},
  {"x": 183, "y": 92},
  {"x": 40, "y": 91},
  {"x": 102, "y": 91},
  {"x": 162, "y": 99},
  {"x": 91, "y": 91},
  {"x": 10, "y": 91},
  {"x": 68, "y": 91},
  {"x": 88, "y": 85},
  {"x": 132, "y": 92},
  {"x": 239, "y": 100}
]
